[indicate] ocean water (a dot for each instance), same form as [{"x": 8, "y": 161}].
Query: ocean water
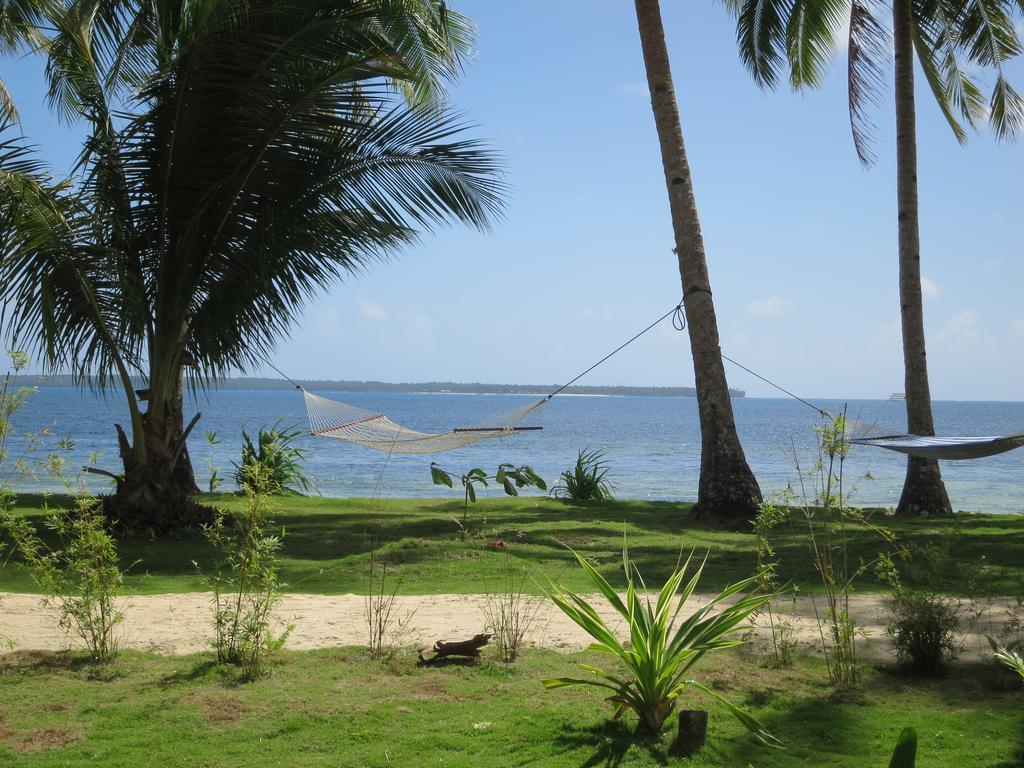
[{"x": 651, "y": 443}]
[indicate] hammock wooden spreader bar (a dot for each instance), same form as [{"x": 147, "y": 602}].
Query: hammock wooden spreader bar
[{"x": 946, "y": 448}]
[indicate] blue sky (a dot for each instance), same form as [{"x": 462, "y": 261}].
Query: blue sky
[{"x": 801, "y": 240}]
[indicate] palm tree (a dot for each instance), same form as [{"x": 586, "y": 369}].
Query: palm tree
[
  {"x": 727, "y": 490},
  {"x": 264, "y": 155},
  {"x": 19, "y": 26},
  {"x": 941, "y": 35},
  {"x": 126, "y": 39}
]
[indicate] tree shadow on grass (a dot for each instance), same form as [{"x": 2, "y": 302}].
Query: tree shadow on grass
[
  {"x": 77, "y": 662},
  {"x": 610, "y": 741},
  {"x": 201, "y": 670}
]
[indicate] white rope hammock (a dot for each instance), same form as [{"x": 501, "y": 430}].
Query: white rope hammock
[
  {"x": 947, "y": 448},
  {"x": 330, "y": 418}
]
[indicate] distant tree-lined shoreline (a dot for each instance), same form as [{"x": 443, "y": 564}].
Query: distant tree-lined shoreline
[{"x": 433, "y": 387}]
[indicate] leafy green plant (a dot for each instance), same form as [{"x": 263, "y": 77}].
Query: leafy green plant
[
  {"x": 509, "y": 611},
  {"x": 905, "y": 754},
  {"x": 272, "y": 460},
  {"x": 783, "y": 632},
  {"x": 587, "y": 481},
  {"x": 81, "y": 576},
  {"x": 829, "y": 517},
  {"x": 508, "y": 476},
  {"x": 1012, "y": 659},
  {"x": 212, "y": 441},
  {"x": 245, "y": 582},
  {"x": 924, "y": 630},
  {"x": 385, "y": 622},
  {"x": 12, "y": 400},
  {"x": 662, "y": 649}
]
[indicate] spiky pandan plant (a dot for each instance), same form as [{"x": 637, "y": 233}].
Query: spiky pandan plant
[
  {"x": 949, "y": 39},
  {"x": 1011, "y": 659},
  {"x": 241, "y": 156},
  {"x": 663, "y": 648}
]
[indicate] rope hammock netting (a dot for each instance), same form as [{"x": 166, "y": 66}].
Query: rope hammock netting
[{"x": 330, "y": 418}]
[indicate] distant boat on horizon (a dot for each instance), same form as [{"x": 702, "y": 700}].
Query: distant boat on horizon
[{"x": 898, "y": 396}]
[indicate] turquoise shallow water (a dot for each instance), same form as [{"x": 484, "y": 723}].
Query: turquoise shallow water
[{"x": 652, "y": 443}]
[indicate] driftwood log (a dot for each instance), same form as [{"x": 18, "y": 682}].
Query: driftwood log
[{"x": 466, "y": 648}]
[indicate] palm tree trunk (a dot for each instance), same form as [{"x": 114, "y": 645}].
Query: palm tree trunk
[
  {"x": 923, "y": 490},
  {"x": 728, "y": 490},
  {"x": 154, "y": 492}
]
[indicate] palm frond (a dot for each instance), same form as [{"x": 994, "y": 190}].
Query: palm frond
[
  {"x": 988, "y": 35},
  {"x": 869, "y": 54},
  {"x": 762, "y": 36},
  {"x": 811, "y": 39},
  {"x": 956, "y": 93}
]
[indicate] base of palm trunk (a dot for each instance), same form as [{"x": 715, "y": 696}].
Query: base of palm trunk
[
  {"x": 168, "y": 516},
  {"x": 154, "y": 497},
  {"x": 730, "y": 500},
  {"x": 727, "y": 494},
  {"x": 924, "y": 493}
]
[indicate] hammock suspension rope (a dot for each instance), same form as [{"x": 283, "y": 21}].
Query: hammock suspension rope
[{"x": 330, "y": 418}]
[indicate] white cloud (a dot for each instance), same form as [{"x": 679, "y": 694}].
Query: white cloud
[
  {"x": 929, "y": 287},
  {"x": 1017, "y": 330},
  {"x": 962, "y": 335},
  {"x": 327, "y": 321},
  {"x": 371, "y": 310},
  {"x": 887, "y": 339},
  {"x": 634, "y": 88},
  {"x": 773, "y": 306},
  {"x": 418, "y": 332}
]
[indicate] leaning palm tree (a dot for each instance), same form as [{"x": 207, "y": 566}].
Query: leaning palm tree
[
  {"x": 262, "y": 153},
  {"x": 727, "y": 489},
  {"x": 943, "y": 36},
  {"x": 124, "y": 40}
]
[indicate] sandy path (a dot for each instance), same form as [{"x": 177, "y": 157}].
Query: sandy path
[{"x": 180, "y": 623}]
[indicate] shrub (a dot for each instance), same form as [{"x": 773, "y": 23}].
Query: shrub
[
  {"x": 385, "y": 623},
  {"x": 81, "y": 576},
  {"x": 272, "y": 461},
  {"x": 245, "y": 584},
  {"x": 781, "y": 628},
  {"x": 824, "y": 501},
  {"x": 509, "y": 611},
  {"x": 661, "y": 652},
  {"x": 508, "y": 476},
  {"x": 924, "y": 630},
  {"x": 587, "y": 481}
]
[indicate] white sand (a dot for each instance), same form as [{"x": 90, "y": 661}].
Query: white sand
[{"x": 181, "y": 623}]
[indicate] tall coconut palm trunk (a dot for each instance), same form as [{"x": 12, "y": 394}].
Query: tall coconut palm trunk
[
  {"x": 728, "y": 490},
  {"x": 923, "y": 490}
]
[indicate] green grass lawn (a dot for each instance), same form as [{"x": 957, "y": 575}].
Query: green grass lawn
[
  {"x": 337, "y": 708},
  {"x": 326, "y": 543}
]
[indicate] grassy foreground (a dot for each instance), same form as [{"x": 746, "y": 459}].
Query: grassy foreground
[
  {"x": 326, "y": 543},
  {"x": 336, "y": 708}
]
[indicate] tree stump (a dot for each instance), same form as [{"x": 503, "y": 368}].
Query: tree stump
[
  {"x": 693, "y": 732},
  {"x": 465, "y": 648}
]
